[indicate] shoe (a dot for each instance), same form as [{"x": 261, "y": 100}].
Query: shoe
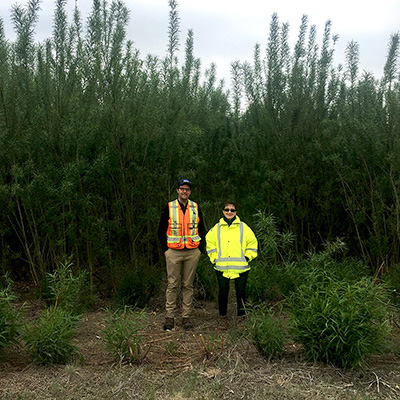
[
  {"x": 187, "y": 325},
  {"x": 168, "y": 324},
  {"x": 223, "y": 323}
]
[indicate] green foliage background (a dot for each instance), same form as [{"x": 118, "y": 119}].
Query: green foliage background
[{"x": 94, "y": 136}]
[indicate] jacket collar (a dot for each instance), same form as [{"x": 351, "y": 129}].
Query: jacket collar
[{"x": 235, "y": 222}]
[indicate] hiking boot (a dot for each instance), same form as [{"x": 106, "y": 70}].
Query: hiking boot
[
  {"x": 187, "y": 325},
  {"x": 168, "y": 324}
]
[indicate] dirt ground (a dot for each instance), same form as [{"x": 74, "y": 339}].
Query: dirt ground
[{"x": 205, "y": 363}]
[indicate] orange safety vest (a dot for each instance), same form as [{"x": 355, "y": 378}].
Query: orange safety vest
[{"x": 183, "y": 228}]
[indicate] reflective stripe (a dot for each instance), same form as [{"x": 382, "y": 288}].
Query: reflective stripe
[
  {"x": 219, "y": 239},
  {"x": 231, "y": 259},
  {"x": 255, "y": 250},
  {"x": 194, "y": 219},
  {"x": 184, "y": 239},
  {"x": 241, "y": 240},
  {"x": 175, "y": 213},
  {"x": 239, "y": 267},
  {"x": 212, "y": 251},
  {"x": 174, "y": 239}
]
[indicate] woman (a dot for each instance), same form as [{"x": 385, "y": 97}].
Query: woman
[{"x": 231, "y": 244}]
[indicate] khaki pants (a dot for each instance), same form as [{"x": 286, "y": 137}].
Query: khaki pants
[{"x": 185, "y": 262}]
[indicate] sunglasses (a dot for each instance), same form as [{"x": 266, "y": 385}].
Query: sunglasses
[{"x": 229, "y": 210}]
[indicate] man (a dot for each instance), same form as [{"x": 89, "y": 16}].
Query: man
[{"x": 181, "y": 233}]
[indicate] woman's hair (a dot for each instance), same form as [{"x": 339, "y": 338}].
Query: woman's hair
[{"x": 230, "y": 202}]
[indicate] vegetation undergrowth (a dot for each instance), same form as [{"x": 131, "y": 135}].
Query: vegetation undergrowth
[
  {"x": 67, "y": 290},
  {"x": 271, "y": 276},
  {"x": 205, "y": 282},
  {"x": 49, "y": 338},
  {"x": 266, "y": 330},
  {"x": 122, "y": 334},
  {"x": 10, "y": 316},
  {"x": 339, "y": 321},
  {"x": 391, "y": 279},
  {"x": 136, "y": 286},
  {"x": 338, "y": 311}
]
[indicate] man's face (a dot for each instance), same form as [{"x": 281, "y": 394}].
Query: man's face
[{"x": 183, "y": 193}]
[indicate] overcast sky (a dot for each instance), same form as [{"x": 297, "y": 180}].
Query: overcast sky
[{"x": 227, "y": 30}]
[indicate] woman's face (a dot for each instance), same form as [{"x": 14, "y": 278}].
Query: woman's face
[{"x": 229, "y": 211}]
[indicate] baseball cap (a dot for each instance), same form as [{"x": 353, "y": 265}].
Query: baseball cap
[{"x": 184, "y": 182}]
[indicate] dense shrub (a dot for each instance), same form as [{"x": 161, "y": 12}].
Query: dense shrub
[
  {"x": 271, "y": 275},
  {"x": 339, "y": 321},
  {"x": 67, "y": 290},
  {"x": 122, "y": 334},
  {"x": 137, "y": 286},
  {"x": 271, "y": 281},
  {"x": 49, "y": 338},
  {"x": 275, "y": 245},
  {"x": 266, "y": 330}
]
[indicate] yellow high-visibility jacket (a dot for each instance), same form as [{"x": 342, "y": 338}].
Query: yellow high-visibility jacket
[{"x": 228, "y": 247}]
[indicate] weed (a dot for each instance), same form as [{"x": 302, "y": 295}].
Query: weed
[
  {"x": 122, "y": 334},
  {"x": 271, "y": 277},
  {"x": 339, "y": 321},
  {"x": 49, "y": 338},
  {"x": 266, "y": 330},
  {"x": 212, "y": 345},
  {"x": 9, "y": 316},
  {"x": 274, "y": 244},
  {"x": 171, "y": 348},
  {"x": 68, "y": 291},
  {"x": 269, "y": 283}
]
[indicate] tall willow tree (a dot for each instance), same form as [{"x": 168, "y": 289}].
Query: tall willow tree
[
  {"x": 94, "y": 136},
  {"x": 89, "y": 130},
  {"x": 315, "y": 142}
]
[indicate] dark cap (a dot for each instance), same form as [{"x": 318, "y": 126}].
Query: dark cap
[{"x": 184, "y": 182}]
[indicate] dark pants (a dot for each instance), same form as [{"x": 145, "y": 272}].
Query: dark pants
[{"x": 240, "y": 287}]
